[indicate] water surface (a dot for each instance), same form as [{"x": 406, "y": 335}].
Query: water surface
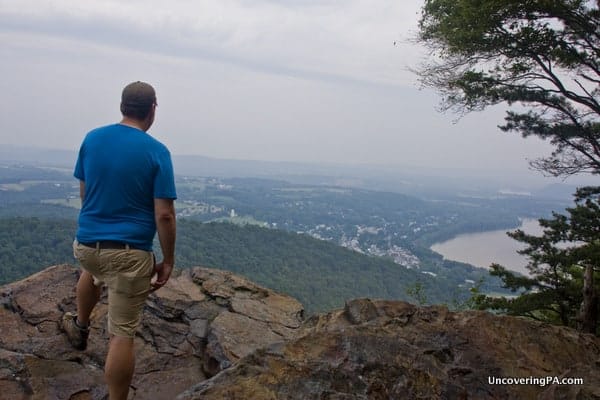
[{"x": 485, "y": 248}]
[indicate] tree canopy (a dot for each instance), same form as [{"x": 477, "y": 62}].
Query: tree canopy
[
  {"x": 541, "y": 57},
  {"x": 559, "y": 260}
]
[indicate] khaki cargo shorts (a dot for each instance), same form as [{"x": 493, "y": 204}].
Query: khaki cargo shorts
[{"x": 127, "y": 274}]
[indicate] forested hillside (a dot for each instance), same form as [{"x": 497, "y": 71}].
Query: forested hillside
[
  {"x": 318, "y": 273},
  {"x": 28, "y": 245}
]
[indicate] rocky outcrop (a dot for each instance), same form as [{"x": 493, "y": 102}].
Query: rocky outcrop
[
  {"x": 393, "y": 350},
  {"x": 202, "y": 321},
  {"x": 209, "y": 334}
]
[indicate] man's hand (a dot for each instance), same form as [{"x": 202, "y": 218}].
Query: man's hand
[
  {"x": 163, "y": 273},
  {"x": 164, "y": 213}
]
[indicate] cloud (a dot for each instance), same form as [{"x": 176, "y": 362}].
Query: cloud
[{"x": 350, "y": 40}]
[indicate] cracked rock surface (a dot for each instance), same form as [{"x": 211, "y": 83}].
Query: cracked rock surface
[
  {"x": 376, "y": 350},
  {"x": 212, "y": 335},
  {"x": 202, "y": 321}
]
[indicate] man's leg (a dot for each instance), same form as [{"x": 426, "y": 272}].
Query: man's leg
[
  {"x": 127, "y": 294},
  {"x": 119, "y": 367},
  {"x": 88, "y": 295}
]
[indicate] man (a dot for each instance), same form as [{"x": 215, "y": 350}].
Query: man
[{"x": 127, "y": 191}]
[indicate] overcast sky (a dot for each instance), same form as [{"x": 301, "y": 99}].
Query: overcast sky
[{"x": 294, "y": 80}]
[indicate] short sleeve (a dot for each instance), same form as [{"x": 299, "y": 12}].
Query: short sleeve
[
  {"x": 79, "y": 172},
  {"x": 164, "y": 180}
]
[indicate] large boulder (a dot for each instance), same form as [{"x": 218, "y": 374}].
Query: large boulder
[
  {"x": 202, "y": 321},
  {"x": 375, "y": 350}
]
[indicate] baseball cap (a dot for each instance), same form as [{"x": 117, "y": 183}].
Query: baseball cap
[{"x": 138, "y": 95}]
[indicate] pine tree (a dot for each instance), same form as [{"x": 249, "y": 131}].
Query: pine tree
[
  {"x": 543, "y": 56},
  {"x": 562, "y": 286}
]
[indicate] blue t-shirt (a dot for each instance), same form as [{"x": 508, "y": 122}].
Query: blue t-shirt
[{"x": 124, "y": 170}]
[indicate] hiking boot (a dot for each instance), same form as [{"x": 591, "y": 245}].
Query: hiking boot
[{"x": 77, "y": 336}]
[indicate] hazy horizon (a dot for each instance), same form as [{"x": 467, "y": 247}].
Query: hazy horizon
[{"x": 374, "y": 176}]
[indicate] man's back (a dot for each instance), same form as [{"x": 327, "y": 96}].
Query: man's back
[{"x": 124, "y": 169}]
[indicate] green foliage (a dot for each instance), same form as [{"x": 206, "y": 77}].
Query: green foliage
[
  {"x": 319, "y": 274},
  {"x": 543, "y": 55},
  {"x": 471, "y": 302},
  {"x": 417, "y": 293},
  {"x": 29, "y": 244},
  {"x": 557, "y": 260}
]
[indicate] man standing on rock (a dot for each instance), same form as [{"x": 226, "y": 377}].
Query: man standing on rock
[{"x": 127, "y": 191}]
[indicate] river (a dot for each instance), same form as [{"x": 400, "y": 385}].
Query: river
[{"x": 485, "y": 248}]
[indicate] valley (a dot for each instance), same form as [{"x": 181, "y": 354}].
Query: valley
[{"x": 395, "y": 228}]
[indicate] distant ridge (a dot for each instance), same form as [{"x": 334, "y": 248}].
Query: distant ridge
[
  {"x": 38, "y": 156},
  {"x": 421, "y": 181},
  {"x": 197, "y": 165}
]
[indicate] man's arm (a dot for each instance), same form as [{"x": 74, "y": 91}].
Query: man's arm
[
  {"x": 81, "y": 191},
  {"x": 164, "y": 214}
]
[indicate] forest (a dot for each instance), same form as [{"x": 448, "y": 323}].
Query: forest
[{"x": 319, "y": 274}]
